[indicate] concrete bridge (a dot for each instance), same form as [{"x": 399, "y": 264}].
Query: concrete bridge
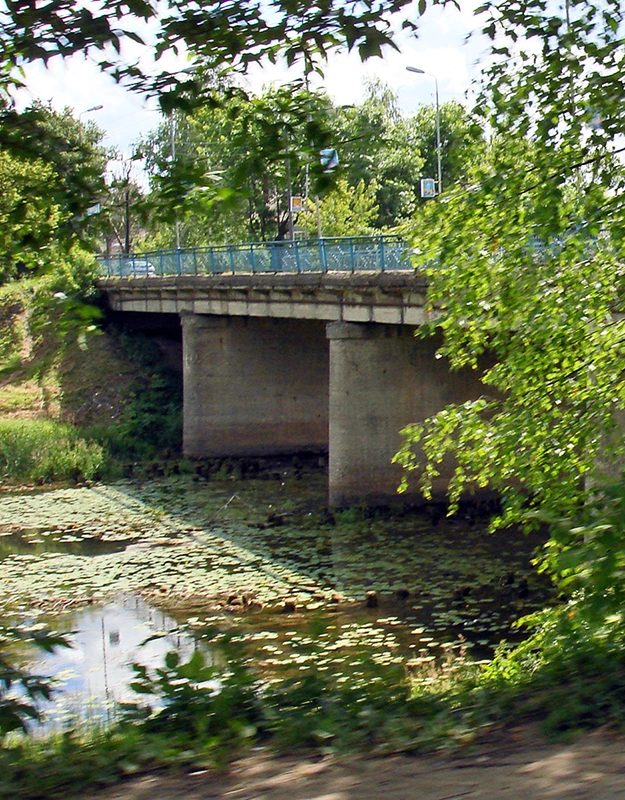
[{"x": 278, "y": 362}]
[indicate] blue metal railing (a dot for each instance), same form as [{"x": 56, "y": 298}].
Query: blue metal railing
[{"x": 345, "y": 254}]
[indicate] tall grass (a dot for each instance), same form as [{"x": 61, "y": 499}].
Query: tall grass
[{"x": 44, "y": 450}]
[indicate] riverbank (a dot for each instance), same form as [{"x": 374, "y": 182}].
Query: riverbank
[
  {"x": 344, "y": 632},
  {"x": 510, "y": 763}
]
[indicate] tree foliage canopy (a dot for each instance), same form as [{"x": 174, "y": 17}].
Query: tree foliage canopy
[
  {"x": 526, "y": 267},
  {"x": 228, "y": 179},
  {"x": 345, "y": 211},
  {"x": 51, "y": 173},
  {"x": 377, "y": 143},
  {"x": 72, "y": 149},
  {"x": 220, "y": 34}
]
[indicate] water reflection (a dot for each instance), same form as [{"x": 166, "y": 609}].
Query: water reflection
[
  {"x": 36, "y": 542},
  {"x": 94, "y": 674}
]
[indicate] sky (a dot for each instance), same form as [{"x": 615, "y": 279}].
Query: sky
[{"x": 440, "y": 48}]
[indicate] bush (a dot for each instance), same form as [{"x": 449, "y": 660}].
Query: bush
[
  {"x": 35, "y": 450},
  {"x": 75, "y": 273},
  {"x": 151, "y": 423},
  {"x": 337, "y": 700}
]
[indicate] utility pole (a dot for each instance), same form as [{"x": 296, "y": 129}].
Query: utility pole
[
  {"x": 127, "y": 215},
  {"x": 288, "y": 190},
  {"x": 172, "y": 135}
]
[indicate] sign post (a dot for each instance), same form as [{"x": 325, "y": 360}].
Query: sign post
[{"x": 428, "y": 187}]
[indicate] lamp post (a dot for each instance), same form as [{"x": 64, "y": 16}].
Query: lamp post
[
  {"x": 172, "y": 143},
  {"x": 93, "y": 108},
  {"x": 438, "y": 124}
]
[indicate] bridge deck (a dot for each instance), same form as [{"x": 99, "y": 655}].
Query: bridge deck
[{"x": 389, "y": 297}]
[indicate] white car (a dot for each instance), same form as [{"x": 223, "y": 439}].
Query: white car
[{"x": 134, "y": 266}]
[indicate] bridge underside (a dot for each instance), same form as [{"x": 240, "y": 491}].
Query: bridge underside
[
  {"x": 254, "y": 386},
  {"x": 262, "y": 386}
]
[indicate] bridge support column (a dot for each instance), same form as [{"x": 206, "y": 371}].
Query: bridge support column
[
  {"x": 254, "y": 386},
  {"x": 382, "y": 378}
]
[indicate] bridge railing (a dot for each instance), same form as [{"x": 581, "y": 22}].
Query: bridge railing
[{"x": 344, "y": 254}]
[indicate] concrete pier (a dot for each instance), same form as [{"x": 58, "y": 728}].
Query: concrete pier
[
  {"x": 382, "y": 378},
  {"x": 254, "y": 386}
]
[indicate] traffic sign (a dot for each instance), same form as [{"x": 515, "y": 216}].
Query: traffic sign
[{"x": 428, "y": 187}]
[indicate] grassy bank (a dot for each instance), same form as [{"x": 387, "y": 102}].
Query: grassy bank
[
  {"x": 76, "y": 402},
  {"x": 209, "y": 715},
  {"x": 41, "y": 451}
]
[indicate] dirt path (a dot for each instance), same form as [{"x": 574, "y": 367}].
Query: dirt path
[{"x": 511, "y": 765}]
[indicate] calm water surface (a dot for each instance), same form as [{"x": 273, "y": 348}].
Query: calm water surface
[{"x": 263, "y": 558}]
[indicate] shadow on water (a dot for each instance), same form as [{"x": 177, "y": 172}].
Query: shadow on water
[
  {"x": 35, "y": 541},
  {"x": 264, "y": 558}
]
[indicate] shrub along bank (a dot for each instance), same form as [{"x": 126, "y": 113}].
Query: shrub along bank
[
  {"x": 75, "y": 402},
  {"x": 150, "y": 423}
]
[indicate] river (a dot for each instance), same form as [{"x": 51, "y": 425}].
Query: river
[{"x": 262, "y": 559}]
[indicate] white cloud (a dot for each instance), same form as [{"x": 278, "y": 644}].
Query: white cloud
[
  {"x": 77, "y": 83},
  {"x": 440, "y": 48}
]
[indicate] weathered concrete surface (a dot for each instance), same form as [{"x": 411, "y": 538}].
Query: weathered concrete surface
[
  {"x": 254, "y": 386},
  {"x": 260, "y": 377},
  {"x": 386, "y": 298},
  {"x": 382, "y": 378}
]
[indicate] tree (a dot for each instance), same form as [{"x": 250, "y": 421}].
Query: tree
[
  {"x": 233, "y": 165},
  {"x": 344, "y": 211},
  {"x": 122, "y": 208},
  {"x": 228, "y": 179},
  {"x": 528, "y": 266},
  {"x": 526, "y": 269},
  {"x": 376, "y": 143},
  {"x": 462, "y": 141},
  {"x": 70, "y": 147},
  {"x": 29, "y": 219},
  {"x": 51, "y": 172}
]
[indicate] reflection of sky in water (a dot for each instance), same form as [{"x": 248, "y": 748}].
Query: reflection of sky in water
[{"x": 95, "y": 672}]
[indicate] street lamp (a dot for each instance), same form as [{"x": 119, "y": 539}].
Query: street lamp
[
  {"x": 438, "y": 124},
  {"x": 93, "y": 108}
]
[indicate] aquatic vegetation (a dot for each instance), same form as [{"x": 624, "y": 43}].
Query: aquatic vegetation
[
  {"x": 256, "y": 551},
  {"x": 267, "y": 563}
]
